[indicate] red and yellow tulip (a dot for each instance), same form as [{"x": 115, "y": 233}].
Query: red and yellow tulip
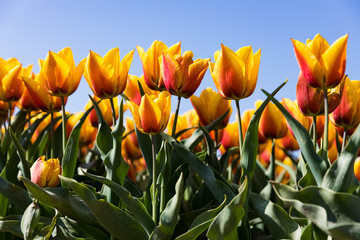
[
  {"x": 152, "y": 115},
  {"x": 181, "y": 74},
  {"x": 11, "y": 85},
  {"x": 235, "y": 73},
  {"x": 60, "y": 74},
  {"x": 322, "y": 65},
  {"x": 107, "y": 76},
  {"x": 151, "y": 60},
  {"x": 46, "y": 173},
  {"x": 132, "y": 90}
]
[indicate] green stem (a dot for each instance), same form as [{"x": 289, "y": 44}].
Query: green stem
[
  {"x": 314, "y": 132},
  {"x": 216, "y": 138},
  {"x": 113, "y": 111},
  {"x": 176, "y": 117},
  {"x": 9, "y": 116},
  {"x": 154, "y": 178},
  {"x": 52, "y": 137},
  {"x": 344, "y": 139},
  {"x": 326, "y": 126},
  {"x": 29, "y": 118},
  {"x": 239, "y": 125},
  {"x": 63, "y": 124}
]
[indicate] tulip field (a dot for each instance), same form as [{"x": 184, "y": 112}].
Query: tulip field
[{"x": 283, "y": 170}]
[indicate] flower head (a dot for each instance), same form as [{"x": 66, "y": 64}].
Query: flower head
[{"x": 46, "y": 173}]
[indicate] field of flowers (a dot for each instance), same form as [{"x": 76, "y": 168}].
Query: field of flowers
[{"x": 284, "y": 170}]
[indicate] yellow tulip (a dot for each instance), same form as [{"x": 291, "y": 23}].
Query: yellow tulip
[
  {"x": 60, "y": 75},
  {"x": 11, "y": 85},
  {"x": 132, "y": 90},
  {"x": 151, "y": 60},
  {"x": 235, "y": 73},
  {"x": 322, "y": 65},
  {"x": 107, "y": 76},
  {"x": 152, "y": 115}
]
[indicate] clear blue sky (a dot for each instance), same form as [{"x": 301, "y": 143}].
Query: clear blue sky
[{"x": 29, "y": 29}]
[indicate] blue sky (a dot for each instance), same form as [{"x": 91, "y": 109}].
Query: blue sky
[{"x": 29, "y": 29}]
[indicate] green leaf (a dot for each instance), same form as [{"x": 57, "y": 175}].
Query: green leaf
[
  {"x": 69, "y": 160},
  {"x": 11, "y": 225},
  {"x": 170, "y": 214},
  {"x": 332, "y": 212},
  {"x": 25, "y": 169},
  {"x": 211, "y": 151},
  {"x": 278, "y": 222},
  {"x": 15, "y": 194},
  {"x": 135, "y": 206},
  {"x": 63, "y": 201},
  {"x": 217, "y": 188},
  {"x": 226, "y": 222},
  {"x": 316, "y": 164},
  {"x": 30, "y": 220},
  {"x": 340, "y": 177},
  {"x": 201, "y": 223},
  {"x": 116, "y": 221}
]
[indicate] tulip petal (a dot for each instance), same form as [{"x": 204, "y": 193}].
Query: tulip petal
[
  {"x": 12, "y": 85},
  {"x": 150, "y": 115},
  {"x": 54, "y": 71}
]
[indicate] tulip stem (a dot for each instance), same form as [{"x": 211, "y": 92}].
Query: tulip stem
[
  {"x": 314, "y": 131},
  {"x": 63, "y": 124},
  {"x": 154, "y": 178},
  {"x": 113, "y": 111},
  {"x": 326, "y": 126},
  {"x": 52, "y": 134},
  {"x": 239, "y": 125},
  {"x": 344, "y": 140},
  {"x": 176, "y": 117},
  {"x": 9, "y": 116},
  {"x": 29, "y": 118}
]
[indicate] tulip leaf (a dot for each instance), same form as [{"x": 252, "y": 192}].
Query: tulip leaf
[
  {"x": 30, "y": 220},
  {"x": 104, "y": 138},
  {"x": 278, "y": 222},
  {"x": 340, "y": 176},
  {"x": 15, "y": 194},
  {"x": 316, "y": 164},
  {"x": 135, "y": 206},
  {"x": 169, "y": 216},
  {"x": 69, "y": 160},
  {"x": 63, "y": 201},
  {"x": 217, "y": 188},
  {"x": 211, "y": 151},
  {"x": 25, "y": 169},
  {"x": 117, "y": 222},
  {"x": 11, "y": 226},
  {"x": 332, "y": 212},
  {"x": 226, "y": 222},
  {"x": 287, "y": 168},
  {"x": 201, "y": 223}
]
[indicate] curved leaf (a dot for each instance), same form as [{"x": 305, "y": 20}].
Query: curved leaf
[{"x": 30, "y": 220}]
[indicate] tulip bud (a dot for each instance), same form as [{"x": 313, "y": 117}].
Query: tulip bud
[
  {"x": 357, "y": 168},
  {"x": 46, "y": 173}
]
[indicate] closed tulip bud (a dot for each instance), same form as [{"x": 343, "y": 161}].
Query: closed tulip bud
[
  {"x": 347, "y": 114},
  {"x": 152, "y": 115},
  {"x": 46, "y": 173},
  {"x": 105, "y": 109},
  {"x": 322, "y": 65},
  {"x": 132, "y": 90},
  {"x": 357, "y": 168},
  {"x": 151, "y": 60},
  {"x": 210, "y": 106},
  {"x": 181, "y": 75},
  {"x": 11, "y": 85},
  {"x": 235, "y": 73},
  {"x": 60, "y": 74},
  {"x": 311, "y": 100},
  {"x": 107, "y": 76},
  {"x": 272, "y": 123},
  {"x": 43, "y": 100}
]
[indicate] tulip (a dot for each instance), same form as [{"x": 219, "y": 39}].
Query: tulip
[
  {"x": 60, "y": 74},
  {"x": 294, "y": 111},
  {"x": 132, "y": 90},
  {"x": 288, "y": 142},
  {"x": 151, "y": 62},
  {"x": 107, "y": 76},
  {"x": 105, "y": 109},
  {"x": 310, "y": 100},
  {"x": 87, "y": 131},
  {"x": 272, "y": 123},
  {"x": 130, "y": 145},
  {"x": 26, "y": 103},
  {"x": 11, "y": 85},
  {"x": 235, "y": 73},
  {"x": 347, "y": 114},
  {"x": 210, "y": 106},
  {"x": 46, "y": 173},
  {"x": 357, "y": 168},
  {"x": 322, "y": 65},
  {"x": 230, "y": 137},
  {"x": 152, "y": 115},
  {"x": 181, "y": 75}
]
